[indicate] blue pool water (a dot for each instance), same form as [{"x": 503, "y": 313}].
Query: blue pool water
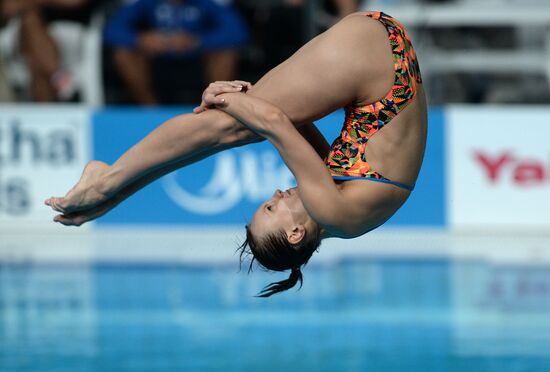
[{"x": 354, "y": 314}]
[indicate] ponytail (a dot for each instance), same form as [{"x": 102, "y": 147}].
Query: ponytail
[
  {"x": 283, "y": 285},
  {"x": 275, "y": 252}
]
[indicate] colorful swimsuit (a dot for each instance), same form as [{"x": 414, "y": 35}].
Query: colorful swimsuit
[{"x": 346, "y": 160}]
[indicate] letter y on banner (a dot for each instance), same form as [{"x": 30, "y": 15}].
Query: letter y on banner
[{"x": 498, "y": 167}]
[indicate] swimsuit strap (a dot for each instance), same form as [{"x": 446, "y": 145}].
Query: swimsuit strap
[{"x": 377, "y": 178}]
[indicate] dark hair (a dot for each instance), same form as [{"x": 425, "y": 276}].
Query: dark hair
[{"x": 275, "y": 252}]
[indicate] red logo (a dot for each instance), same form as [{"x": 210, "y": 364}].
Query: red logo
[{"x": 506, "y": 166}]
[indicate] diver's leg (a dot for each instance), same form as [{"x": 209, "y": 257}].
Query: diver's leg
[
  {"x": 328, "y": 72},
  {"x": 79, "y": 217},
  {"x": 181, "y": 140}
]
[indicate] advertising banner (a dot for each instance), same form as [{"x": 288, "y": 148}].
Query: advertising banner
[
  {"x": 43, "y": 150},
  {"x": 498, "y": 167}
]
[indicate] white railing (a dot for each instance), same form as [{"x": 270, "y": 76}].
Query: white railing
[{"x": 531, "y": 19}]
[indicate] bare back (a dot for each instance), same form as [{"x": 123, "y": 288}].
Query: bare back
[{"x": 397, "y": 152}]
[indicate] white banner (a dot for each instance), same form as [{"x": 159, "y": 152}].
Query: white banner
[
  {"x": 43, "y": 150},
  {"x": 498, "y": 167}
]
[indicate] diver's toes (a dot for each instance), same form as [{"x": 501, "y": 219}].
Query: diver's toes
[
  {"x": 63, "y": 220},
  {"x": 56, "y": 206}
]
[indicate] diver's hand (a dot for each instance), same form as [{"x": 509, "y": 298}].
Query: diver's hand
[
  {"x": 258, "y": 115},
  {"x": 210, "y": 95}
]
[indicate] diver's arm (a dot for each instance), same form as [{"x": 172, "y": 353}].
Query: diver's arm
[{"x": 321, "y": 198}]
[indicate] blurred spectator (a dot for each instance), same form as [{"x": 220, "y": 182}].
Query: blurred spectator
[
  {"x": 6, "y": 94},
  {"x": 50, "y": 80},
  {"x": 204, "y": 31},
  {"x": 289, "y": 24}
]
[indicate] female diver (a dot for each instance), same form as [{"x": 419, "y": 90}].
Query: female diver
[{"x": 364, "y": 63}]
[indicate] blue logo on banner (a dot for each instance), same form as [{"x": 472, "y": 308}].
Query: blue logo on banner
[{"x": 236, "y": 176}]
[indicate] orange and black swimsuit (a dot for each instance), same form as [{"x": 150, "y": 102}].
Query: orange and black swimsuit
[{"x": 346, "y": 160}]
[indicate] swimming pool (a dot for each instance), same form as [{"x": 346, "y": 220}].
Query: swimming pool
[{"x": 407, "y": 301}]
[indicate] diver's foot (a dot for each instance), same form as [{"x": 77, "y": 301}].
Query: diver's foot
[
  {"x": 80, "y": 217},
  {"x": 86, "y": 194}
]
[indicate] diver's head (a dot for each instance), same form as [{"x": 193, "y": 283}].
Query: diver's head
[{"x": 282, "y": 236}]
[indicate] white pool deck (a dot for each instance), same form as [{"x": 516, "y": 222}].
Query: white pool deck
[{"x": 207, "y": 245}]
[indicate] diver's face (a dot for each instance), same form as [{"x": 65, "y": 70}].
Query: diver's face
[{"x": 284, "y": 211}]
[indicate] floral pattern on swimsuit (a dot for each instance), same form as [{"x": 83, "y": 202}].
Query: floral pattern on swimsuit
[{"x": 347, "y": 155}]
